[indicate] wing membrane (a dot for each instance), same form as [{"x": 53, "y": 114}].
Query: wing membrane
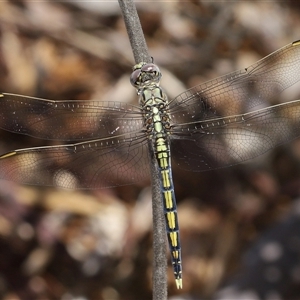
[
  {"x": 69, "y": 120},
  {"x": 222, "y": 142},
  {"x": 240, "y": 91},
  {"x": 98, "y": 163}
]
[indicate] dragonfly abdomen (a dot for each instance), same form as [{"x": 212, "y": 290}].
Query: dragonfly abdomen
[{"x": 162, "y": 153}]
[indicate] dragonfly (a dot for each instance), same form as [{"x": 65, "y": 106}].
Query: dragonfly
[{"x": 216, "y": 124}]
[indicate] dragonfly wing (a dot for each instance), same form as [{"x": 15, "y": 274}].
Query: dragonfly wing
[
  {"x": 240, "y": 91},
  {"x": 226, "y": 141},
  {"x": 69, "y": 120},
  {"x": 98, "y": 163}
]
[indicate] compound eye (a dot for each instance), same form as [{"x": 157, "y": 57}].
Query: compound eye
[
  {"x": 135, "y": 76},
  {"x": 150, "y": 68}
]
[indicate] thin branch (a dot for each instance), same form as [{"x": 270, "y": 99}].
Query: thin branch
[
  {"x": 134, "y": 31},
  {"x": 140, "y": 53}
]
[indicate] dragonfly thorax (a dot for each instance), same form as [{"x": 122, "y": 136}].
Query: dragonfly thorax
[{"x": 154, "y": 104}]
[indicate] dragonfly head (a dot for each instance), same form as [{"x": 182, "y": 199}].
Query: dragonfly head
[{"x": 145, "y": 74}]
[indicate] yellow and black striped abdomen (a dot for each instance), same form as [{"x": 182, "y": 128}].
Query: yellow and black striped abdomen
[{"x": 162, "y": 153}]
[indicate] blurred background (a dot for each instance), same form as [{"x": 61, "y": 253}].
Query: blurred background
[{"x": 240, "y": 226}]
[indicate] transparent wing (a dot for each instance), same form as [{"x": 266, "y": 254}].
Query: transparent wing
[
  {"x": 222, "y": 142},
  {"x": 240, "y": 91},
  {"x": 208, "y": 129},
  {"x": 98, "y": 163},
  {"x": 67, "y": 120}
]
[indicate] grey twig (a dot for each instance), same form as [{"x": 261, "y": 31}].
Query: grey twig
[
  {"x": 140, "y": 52},
  {"x": 135, "y": 32}
]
